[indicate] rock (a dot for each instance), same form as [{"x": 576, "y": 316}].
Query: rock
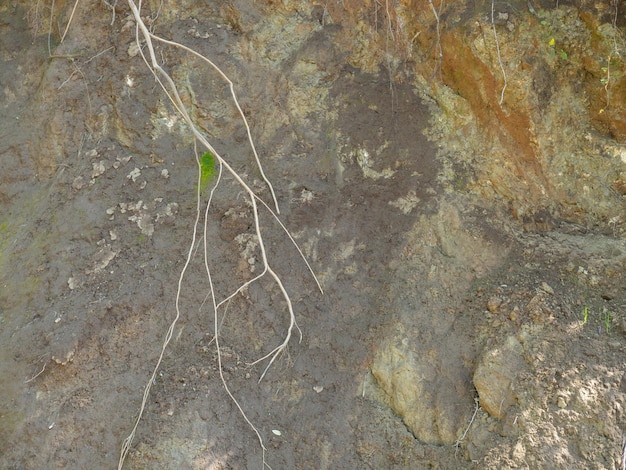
[
  {"x": 79, "y": 183},
  {"x": 514, "y": 315},
  {"x": 493, "y": 304},
  {"x": 495, "y": 375},
  {"x": 547, "y": 288},
  {"x": 433, "y": 404}
]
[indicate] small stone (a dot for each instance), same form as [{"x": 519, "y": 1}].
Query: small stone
[
  {"x": 133, "y": 175},
  {"x": 79, "y": 183},
  {"x": 98, "y": 169},
  {"x": 519, "y": 451},
  {"x": 561, "y": 403},
  {"x": 546, "y": 288},
  {"x": 608, "y": 295},
  {"x": 171, "y": 209},
  {"x": 133, "y": 49},
  {"x": 493, "y": 304},
  {"x": 68, "y": 356}
]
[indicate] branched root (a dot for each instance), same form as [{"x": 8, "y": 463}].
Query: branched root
[{"x": 170, "y": 89}]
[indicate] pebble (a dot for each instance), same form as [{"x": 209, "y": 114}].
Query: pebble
[
  {"x": 546, "y": 288},
  {"x": 514, "y": 315},
  {"x": 493, "y": 304}
]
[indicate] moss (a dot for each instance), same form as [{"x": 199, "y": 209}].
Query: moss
[{"x": 207, "y": 169}]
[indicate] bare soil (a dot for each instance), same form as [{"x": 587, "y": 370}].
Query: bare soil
[{"x": 476, "y": 297}]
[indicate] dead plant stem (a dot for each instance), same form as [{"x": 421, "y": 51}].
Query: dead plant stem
[
  {"x": 610, "y": 57},
  {"x": 460, "y": 439},
  {"x": 495, "y": 35},
  {"x": 438, "y": 45},
  {"x": 69, "y": 22},
  {"x": 50, "y": 27}
]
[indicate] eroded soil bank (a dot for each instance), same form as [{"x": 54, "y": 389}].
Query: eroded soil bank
[{"x": 454, "y": 174}]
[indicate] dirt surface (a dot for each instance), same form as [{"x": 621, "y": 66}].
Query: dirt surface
[{"x": 471, "y": 250}]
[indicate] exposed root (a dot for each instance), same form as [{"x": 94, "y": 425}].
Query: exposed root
[
  {"x": 170, "y": 89},
  {"x": 469, "y": 425},
  {"x": 495, "y": 35}
]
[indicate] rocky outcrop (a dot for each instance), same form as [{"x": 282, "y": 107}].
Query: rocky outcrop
[
  {"x": 497, "y": 376},
  {"x": 421, "y": 364}
]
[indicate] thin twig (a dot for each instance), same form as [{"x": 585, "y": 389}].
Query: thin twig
[
  {"x": 610, "y": 57},
  {"x": 112, "y": 7},
  {"x": 64, "y": 56},
  {"x": 99, "y": 54},
  {"x": 69, "y": 22},
  {"x": 495, "y": 35},
  {"x": 50, "y": 27},
  {"x": 37, "y": 374},
  {"x": 440, "y": 58},
  {"x": 460, "y": 439},
  {"x": 389, "y": 22}
]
